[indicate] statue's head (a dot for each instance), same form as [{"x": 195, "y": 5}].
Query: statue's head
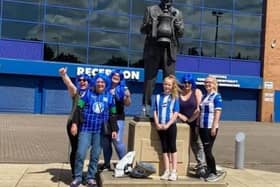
[{"x": 167, "y": 3}]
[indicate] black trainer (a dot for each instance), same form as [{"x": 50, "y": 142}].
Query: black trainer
[{"x": 104, "y": 167}]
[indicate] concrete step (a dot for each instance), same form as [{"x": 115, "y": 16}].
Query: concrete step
[{"x": 107, "y": 180}]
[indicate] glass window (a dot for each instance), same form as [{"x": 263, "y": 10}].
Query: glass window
[
  {"x": 215, "y": 17},
  {"x": 189, "y": 2},
  {"x": 137, "y": 41},
  {"x": 64, "y": 16},
  {"x": 189, "y": 48},
  {"x": 191, "y": 15},
  {"x": 248, "y": 37},
  {"x": 113, "y": 22},
  {"x": 32, "y": 1},
  {"x": 136, "y": 60},
  {"x": 138, "y": 7},
  {"x": 136, "y": 24},
  {"x": 222, "y": 34},
  {"x": 216, "y": 50},
  {"x": 119, "y": 6},
  {"x": 246, "y": 53},
  {"x": 108, "y": 39},
  {"x": 192, "y": 31},
  {"x": 23, "y": 31},
  {"x": 64, "y": 53},
  {"x": 22, "y": 11},
  {"x": 225, "y": 4},
  {"x": 252, "y": 6},
  {"x": 247, "y": 21},
  {"x": 70, "y": 3},
  {"x": 108, "y": 57},
  {"x": 65, "y": 35}
]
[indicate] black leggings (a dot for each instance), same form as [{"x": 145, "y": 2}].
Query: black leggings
[
  {"x": 208, "y": 142},
  {"x": 168, "y": 139},
  {"x": 74, "y": 145}
]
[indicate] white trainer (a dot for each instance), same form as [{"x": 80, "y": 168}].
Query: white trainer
[
  {"x": 172, "y": 176},
  {"x": 165, "y": 175}
]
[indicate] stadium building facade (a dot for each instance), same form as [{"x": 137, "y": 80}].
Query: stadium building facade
[{"x": 234, "y": 40}]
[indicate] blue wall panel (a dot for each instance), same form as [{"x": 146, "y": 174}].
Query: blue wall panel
[
  {"x": 56, "y": 99},
  {"x": 239, "y": 104},
  {"x": 17, "y": 93},
  {"x": 277, "y": 106}
]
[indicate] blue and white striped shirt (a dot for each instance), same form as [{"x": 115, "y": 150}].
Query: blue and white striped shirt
[
  {"x": 165, "y": 107},
  {"x": 209, "y": 104}
]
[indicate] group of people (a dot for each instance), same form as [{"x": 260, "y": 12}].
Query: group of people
[
  {"x": 99, "y": 102},
  {"x": 185, "y": 102},
  {"x": 96, "y": 121}
]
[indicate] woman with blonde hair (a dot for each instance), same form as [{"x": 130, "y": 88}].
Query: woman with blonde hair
[
  {"x": 166, "y": 110},
  {"x": 210, "y": 113}
]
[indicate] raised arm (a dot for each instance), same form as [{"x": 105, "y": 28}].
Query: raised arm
[{"x": 72, "y": 89}]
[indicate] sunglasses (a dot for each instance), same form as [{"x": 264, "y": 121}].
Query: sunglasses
[
  {"x": 82, "y": 80},
  {"x": 188, "y": 82}
]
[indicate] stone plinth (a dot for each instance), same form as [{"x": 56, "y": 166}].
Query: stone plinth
[
  {"x": 107, "y": 180},
  {"x": 143, "y": 138}
]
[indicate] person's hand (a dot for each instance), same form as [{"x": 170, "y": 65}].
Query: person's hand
[
  {"x": 183, "y": 117},
  {"x": 213, "y": 131},
  {"x": 158, "y": 126},
  {"x": 127, "y": 93},
  {"x": 197, "y": 110},
  {"x": 74, "y": 129},
  {"x": 114, "y": 135},
  {"x": 165, "y": 127},
  {"x": 63, "y": 71}
]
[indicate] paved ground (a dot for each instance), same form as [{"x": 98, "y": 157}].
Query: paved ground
[
  {"x": 58, "y": 175},
  {"x": 43, "y": 139},
  {"x": 34, "y": 152}
]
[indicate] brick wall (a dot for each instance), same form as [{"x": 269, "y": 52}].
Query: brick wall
[{"x": 271, "y": 66}]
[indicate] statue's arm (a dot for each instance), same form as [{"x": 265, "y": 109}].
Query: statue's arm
[
  {"x": 179, "y": 24},
  {"x": 146, "y": 26}
]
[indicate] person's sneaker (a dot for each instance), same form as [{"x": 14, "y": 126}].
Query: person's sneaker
[
  {"x": 201, "y": 172},
  {"x": 91, "y": 183},
  {"x": 165, "y": 175},
  {"x": 105, "y": 167},
  {"x": 212, "y": 177},
  {"x": 75, "y": 183},
  {"x": 172, "y": 176}
]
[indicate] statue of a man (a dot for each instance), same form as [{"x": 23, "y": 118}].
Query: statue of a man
[{"x": 163, "y": 25}]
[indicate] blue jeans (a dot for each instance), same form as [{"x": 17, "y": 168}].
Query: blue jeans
[
  {"x": 87, "y": 139},
  {"x": 118, "y": 144}
]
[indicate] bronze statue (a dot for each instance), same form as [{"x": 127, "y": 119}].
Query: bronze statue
[{"x": 163, "y": 25}]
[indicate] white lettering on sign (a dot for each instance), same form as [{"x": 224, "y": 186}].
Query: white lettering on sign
[
  {"x": 128, "y": 74},
  {"x": 268, "y": 84},
  {"x": 222, "y": 81}
]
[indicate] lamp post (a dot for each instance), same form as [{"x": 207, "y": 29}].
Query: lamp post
[{"x": 218, "y": 15}]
